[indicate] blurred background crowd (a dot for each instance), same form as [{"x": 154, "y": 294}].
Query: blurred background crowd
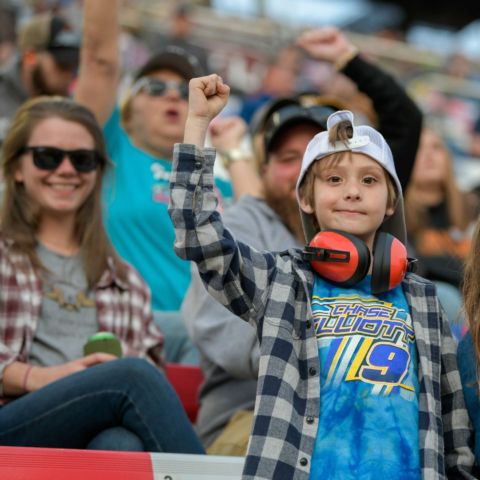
[{"x": 433, "y": 52}]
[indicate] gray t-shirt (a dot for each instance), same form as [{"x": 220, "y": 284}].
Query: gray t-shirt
[{"x": 68, "y": 313}]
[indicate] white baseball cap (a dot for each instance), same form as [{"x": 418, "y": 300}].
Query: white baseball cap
[{"x": 365, "y": 140}]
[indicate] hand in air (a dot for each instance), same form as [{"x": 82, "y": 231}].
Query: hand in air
[
  {"x": 227, "y": 133},
  {"x": 207, "y": 97},
  {"x": 327, "y": 44}
]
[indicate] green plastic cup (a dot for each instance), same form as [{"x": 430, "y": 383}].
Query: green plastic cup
[{"x": 103, "y": 342}]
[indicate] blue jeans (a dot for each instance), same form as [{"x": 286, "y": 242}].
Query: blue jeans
[{"x": 113, "y": 405}]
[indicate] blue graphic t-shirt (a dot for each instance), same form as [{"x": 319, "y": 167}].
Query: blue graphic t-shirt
[
  {"x": 368, "y": 425},
  {"x": 136, "y": 200}
]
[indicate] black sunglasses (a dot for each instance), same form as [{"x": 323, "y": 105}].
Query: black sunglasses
[
  {"x": 49, "y": 158},
  {"x": 156, "y": 87}
]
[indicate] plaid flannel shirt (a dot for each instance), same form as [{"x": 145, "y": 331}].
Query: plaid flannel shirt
[
  {"x": 123, "y": 308},
  {"x": 273, "y": 291}
]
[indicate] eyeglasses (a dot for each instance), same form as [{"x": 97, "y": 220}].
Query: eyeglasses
[
  {"x": 50, "y": 158},
  {"x": 156, "y": 87}
]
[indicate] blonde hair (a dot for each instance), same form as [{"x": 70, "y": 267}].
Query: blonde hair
[
  {"x": 20, "y": 215},
  {"x": 341, "y": 132}
]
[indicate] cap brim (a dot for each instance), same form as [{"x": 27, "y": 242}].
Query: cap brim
[
  {"x": 274, "y": 135},
  {"x": 263, "y": 113}
]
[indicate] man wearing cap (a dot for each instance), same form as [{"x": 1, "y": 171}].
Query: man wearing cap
[
  {"x": 140, "y": 138},
  {"x": 47, "y": 64},
  {"x": 229, "y": 348}
]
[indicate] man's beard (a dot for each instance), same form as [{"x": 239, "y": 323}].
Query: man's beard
[
  {"x": 288, "y": 210},
  {"x": 40, "y": 84}
]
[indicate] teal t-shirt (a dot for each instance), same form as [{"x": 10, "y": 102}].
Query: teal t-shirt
[
  {"x": 368, "y": 426},
  {"x": 136, "y": 216}
]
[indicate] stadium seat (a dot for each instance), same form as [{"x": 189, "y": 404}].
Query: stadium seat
[{"x": 186, "y": 381}]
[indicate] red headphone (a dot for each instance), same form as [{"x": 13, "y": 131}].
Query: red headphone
[{"x": 344, "y": 259}]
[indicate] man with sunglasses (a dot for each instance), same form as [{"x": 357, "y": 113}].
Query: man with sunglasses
[
  {"x": 46, "y": 65},
  {"x": 281, "y": 131},
  {"x": 140, "y": 137}
]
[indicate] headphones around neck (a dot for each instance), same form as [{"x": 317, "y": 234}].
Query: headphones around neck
[{"x": 344, "y": 259}]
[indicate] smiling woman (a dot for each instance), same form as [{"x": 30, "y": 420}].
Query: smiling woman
[
  {"x": 58, "y": 190},
  {"x": 62, "y": 282},
  {"x": 52, "y": 197}
]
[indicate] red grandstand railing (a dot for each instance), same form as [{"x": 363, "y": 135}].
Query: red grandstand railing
[{"x": 25, "y": 463}]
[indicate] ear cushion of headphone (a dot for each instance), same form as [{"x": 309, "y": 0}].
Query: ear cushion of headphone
[
  {"x": 342, "y": 273},
  {"x": 389, "y": 263}
]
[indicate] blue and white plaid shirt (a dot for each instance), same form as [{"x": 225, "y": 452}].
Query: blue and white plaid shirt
[{"x": 273, "y": 291}]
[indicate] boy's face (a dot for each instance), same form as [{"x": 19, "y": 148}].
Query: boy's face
[{"x": 350, "y": 194}]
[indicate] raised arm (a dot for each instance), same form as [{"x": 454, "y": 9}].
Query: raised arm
[
  {"x": 99, "y": 58},
  {"x": 399, "y": 118},
  {"x": 237, "y": 275}
]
